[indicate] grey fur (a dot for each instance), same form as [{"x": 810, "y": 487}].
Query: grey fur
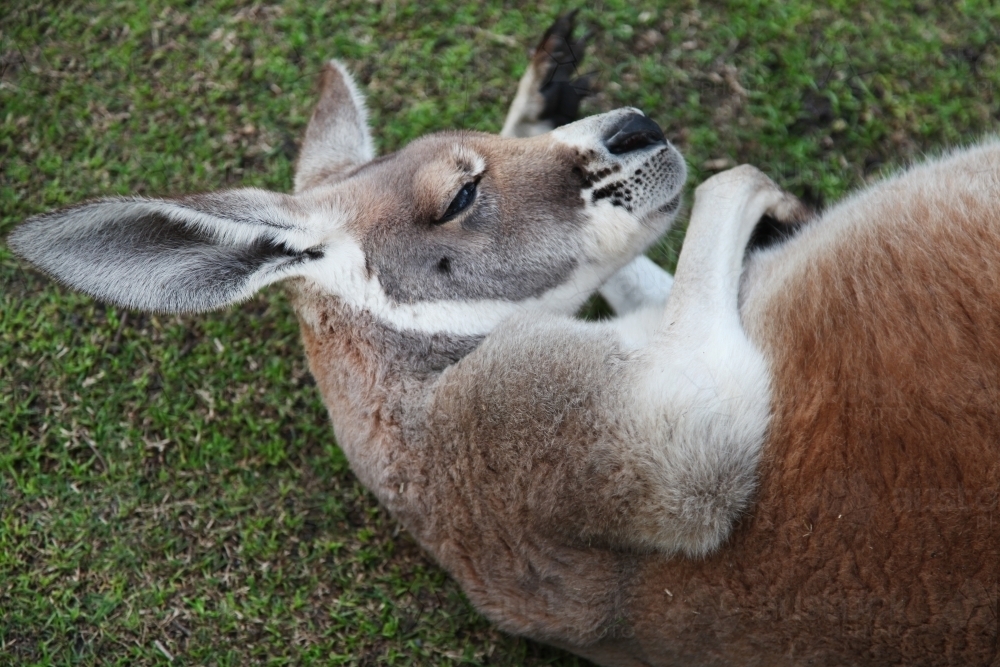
[
  {"x": 534, "y": 462},
  {"x": 193, "y": 254},
  {"x": 463, "y": 463},
  {"x": 510, "y": 249}
]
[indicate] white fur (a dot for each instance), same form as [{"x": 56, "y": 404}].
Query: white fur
[
  {"x": 612, "y": 236},
  {"x": 83, "y": 247},
  {"x": 582, "y": 133},
  {"x": 342, "y": 272},
  {"x": 702, "y": 389},
  {"x": 639, "y": 284}
]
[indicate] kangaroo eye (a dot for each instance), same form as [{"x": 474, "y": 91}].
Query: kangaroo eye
[{"x": 462, "y": 200}]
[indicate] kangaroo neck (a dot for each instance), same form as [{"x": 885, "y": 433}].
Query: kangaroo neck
[{"x": 377, "y": 383}]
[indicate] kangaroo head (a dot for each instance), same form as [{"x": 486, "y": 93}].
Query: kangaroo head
[{"x": 452, "y": 233}]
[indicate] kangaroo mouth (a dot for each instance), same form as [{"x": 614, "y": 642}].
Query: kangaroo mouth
[
  {"x": 641, "y": 186},
  {"x": 671, "y": 206},
  {"x": 655, "y": 187}
]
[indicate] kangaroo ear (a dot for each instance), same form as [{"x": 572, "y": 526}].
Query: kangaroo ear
[
  {"x": 337, "y": 138},
  {"x": 191, "y": 254}
]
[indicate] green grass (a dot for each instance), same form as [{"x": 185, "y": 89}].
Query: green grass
[{"x": 171, "y": 484}]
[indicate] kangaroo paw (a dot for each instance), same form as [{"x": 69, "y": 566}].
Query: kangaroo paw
[
  {"x": 556, "y": 62},
  {"x": 550, "y": 92}
]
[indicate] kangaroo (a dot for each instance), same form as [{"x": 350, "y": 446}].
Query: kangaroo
[{"x": 708, "y": 478}]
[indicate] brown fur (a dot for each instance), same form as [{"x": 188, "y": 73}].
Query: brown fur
[
  {"x": 520, "y": 459},
  {"x": 434, "y": 479},
  {"x": 330, "y": 147},
  {"x": 876, "y": 537}
]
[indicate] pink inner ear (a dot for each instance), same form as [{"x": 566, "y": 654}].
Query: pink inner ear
[{"x": 337, "y": 138}]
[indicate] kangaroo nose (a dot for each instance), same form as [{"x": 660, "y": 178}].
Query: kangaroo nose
[{"x": 631, "y": 133}]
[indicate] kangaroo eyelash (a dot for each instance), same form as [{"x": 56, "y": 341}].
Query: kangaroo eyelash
[{"x": 463, "y": 200}]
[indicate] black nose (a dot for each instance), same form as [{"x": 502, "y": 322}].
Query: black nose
[{"x": 631, "y": 133}]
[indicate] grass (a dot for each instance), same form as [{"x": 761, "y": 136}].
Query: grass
[{"x": 170, "y": 489}]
